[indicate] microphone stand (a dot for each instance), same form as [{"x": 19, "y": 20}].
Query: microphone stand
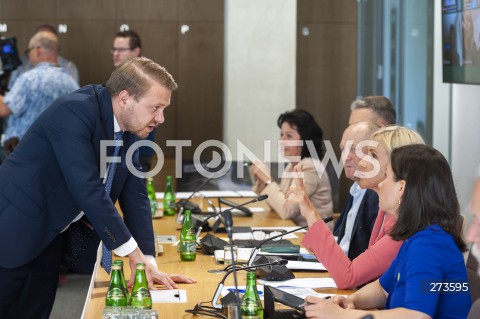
[
  {"x": 256, "y": 199},
  {"x": 184, "y": 202},
  {"x": 228, "y": 227},
  {"x": 256, "y": 249},
  {"x": 221, "y": 284}
]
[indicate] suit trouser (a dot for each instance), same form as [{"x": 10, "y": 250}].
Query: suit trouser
[{"x": 29, "y": 291}]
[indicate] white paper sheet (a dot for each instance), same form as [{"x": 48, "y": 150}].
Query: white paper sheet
[
  {"x": 169, "y": 296},
  {"x": 305, "y": 265},
  {"x": 247, "y": 193}
]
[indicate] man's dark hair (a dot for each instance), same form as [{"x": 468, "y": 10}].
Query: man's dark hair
[
  {"x": 308, "y": 129},
  {"x": 135, "y": 41},
  {"x": 429, "y": 197},
  {"x": 380, "y": 105}
]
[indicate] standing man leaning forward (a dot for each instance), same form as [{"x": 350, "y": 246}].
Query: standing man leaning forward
[{"x": 54, "y": 176}]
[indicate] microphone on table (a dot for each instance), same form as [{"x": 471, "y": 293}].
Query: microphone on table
[
  {"x": 185, "y": 204},
  {"x": 257, "y": 248},
  {"x": 245, "y": 210},
  {"x": 221, "y": 284},
  {"x": 256, "y": 199}
]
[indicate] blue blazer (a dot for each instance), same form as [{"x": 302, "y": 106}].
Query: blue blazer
[
  {"x": 363, "y": 226},
  {"x": 54, "y": 173}
]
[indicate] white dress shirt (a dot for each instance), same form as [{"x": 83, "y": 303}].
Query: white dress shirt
[{"x": 357, "y": 194}]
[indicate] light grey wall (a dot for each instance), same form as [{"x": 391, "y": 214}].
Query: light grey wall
[
  {"x": 465, "y": 139},
  {"x": 260, "y": 55},
  {"x": 456, "y": 124}
]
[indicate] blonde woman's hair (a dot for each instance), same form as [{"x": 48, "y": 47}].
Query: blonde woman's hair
[{"x": 395, "y": 136}]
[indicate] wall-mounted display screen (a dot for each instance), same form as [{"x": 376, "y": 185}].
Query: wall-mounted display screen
[{"x": 461, "y": 41}]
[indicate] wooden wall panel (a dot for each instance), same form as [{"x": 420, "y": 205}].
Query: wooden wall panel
[
  {"x": 327, "y": 67},
  {"x": 153, "y": 10},
  {"x": 200, "y": 99},
  {"x": 201, "y": 10},
  {"x": 87, "y": 43},
  {"x": 86, "y": 10},
  {"x": 337, "y": 11},
  {"x": 29, "y": 9}
]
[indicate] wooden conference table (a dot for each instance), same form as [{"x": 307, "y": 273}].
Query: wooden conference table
[{"x": 169, "y": 262}]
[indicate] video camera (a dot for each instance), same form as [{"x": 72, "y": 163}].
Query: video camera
[{"x": 9, "y": 54}]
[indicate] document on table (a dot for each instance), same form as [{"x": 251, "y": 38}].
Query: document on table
[
  {"x": 251, "y": 236},
  {"x": 169, "y": 296},
  {"x": 247, "y": 193},
  {"x": 305, "y": 265},
  {"x": 302, "y": 283}
]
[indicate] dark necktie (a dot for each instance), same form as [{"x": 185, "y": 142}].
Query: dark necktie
[{"x": 106, "y": 261}]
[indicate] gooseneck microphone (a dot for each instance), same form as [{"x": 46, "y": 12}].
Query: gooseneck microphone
[
  {"x": 221, "y": 284},
  {"x": 256, "y": 249},
  {"x": 229, "y": 213},
  {"x": 186, "y": 204}
]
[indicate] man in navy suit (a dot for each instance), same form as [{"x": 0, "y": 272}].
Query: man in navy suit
[
  {"x": 355, "y": 224},
  {"x": 55, "y": 176}
]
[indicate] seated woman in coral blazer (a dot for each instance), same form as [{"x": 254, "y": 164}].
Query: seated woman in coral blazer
[{"x": 373, "y": 262}]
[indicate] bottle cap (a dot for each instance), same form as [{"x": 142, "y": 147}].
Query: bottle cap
[
  {"x": 118, "y": 261},
  {"x": 140, "y": 266}
]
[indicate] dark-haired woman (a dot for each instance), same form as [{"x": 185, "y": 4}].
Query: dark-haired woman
[
  {"x": 428, "y": 278},
  {"x": 301, "y": 141}
]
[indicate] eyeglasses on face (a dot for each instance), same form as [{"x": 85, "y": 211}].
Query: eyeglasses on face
[
  {"x": 27, "y": 51},
  {"x": 120, "y": 50}
]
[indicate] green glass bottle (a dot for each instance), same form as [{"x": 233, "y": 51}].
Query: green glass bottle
[
  {"x": 141, "y": 297},
  {"x": 188, "y": 243},
  {"x": 169, "y": 199},
  {"x": 251, "y": 304},
  {"x": 124, "y": 283},
  {"x": 116, "y": 294},
  {"x": 151, "y": 196}
]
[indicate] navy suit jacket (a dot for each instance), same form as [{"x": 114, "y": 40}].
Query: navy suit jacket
[
  {"x": 54, "y": 174},
  {"x": 363, "y": 225}
]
